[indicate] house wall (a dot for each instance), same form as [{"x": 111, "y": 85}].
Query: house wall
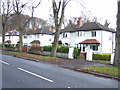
[
  {"x": 108, "y": 42},
  {"x": 43, "y": 38},
  {"x": 106, "y": 45},
  {"x": 14, "y": 39},
  {"x": 0, "y": 39}
]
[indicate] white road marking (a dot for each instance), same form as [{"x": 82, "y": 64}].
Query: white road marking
[
  {"x": 35, "y": 74},
  {"x": 4, "y": 62}
]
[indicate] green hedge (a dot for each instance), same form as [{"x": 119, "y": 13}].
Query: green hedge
[
  {"x": 47, "y": 48},
  {"x": 101, "y": 57},
  {"x": 9, "y": 45},
  {"x": 61, "y": 49}
]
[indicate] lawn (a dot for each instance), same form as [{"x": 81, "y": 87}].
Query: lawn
[{"x": 105, "y": 69}]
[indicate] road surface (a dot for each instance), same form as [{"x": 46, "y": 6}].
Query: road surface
[{"x": 21, "y": 73}]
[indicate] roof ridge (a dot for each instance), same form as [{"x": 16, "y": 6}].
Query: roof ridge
[{"x": 98, "y": 24}]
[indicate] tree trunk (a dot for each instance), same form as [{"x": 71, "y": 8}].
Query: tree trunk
[
  {"x": 3, "y": 37},
  {"x": 55, "y": 42},
  {"x": 20, "y": 41},
  {"x": 117, "y": 49}
]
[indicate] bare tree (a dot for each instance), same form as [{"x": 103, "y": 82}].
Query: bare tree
[
  {"x": 18, "y": 9},
  {"x": 6, "y": 10},
  {"x": 117, "y": 49},
  {"x": 58, "y": 13}
]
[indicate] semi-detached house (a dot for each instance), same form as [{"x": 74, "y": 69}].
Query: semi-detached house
[
  {"x": 99, "y": 38},
  {"x": 44, "y": 36}
]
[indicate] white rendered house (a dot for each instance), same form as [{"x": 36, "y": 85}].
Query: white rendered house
[
  {"x": 44, "y": 36},
  {"x": 12, "y": 37},
  {"x": 99, "y": 38}
]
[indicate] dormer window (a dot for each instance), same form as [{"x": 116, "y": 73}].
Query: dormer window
[{"x": 93, "y": 33}]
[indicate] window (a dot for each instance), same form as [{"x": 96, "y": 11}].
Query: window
[
  {"x": 25, "y": 37},
  {"x": 94, "y": 47},
  {"x": 79, "y": 34},
  {"x": 66, "y": 35},
  {"x": 49, "y": 39},
  {"x": 93, "y": 33},
  {"x": 37, "y": 36},
  {"x": 63, "y": 35}
]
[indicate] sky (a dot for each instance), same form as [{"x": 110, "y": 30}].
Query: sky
[{"x": 102, "y": 9}]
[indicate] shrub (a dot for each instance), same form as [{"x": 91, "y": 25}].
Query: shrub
[
  {"x": 47, "y": 48},
  {"x": 101, "y": 57},
  {"x": 76, "y": 52},
  {"x": 9, "y": 45},
  {"x": 63, "y": 49},
  {"x": 36, "y": 48}
]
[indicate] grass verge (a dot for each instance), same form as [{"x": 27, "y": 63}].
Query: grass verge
[
  {"x": 102, "y": 61},
  {"x": 39, "y": 57},
  {"x": 104, "y": 69}
]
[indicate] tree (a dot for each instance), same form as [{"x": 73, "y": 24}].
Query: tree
[
  {"x": 58, "y": 15},
  {"x": 6, "y": 10},
  {"x": 117, "y": 49},
  {"x": 18, "y": 8}
]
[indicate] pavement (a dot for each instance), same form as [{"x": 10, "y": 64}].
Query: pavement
[{"x": 72, "y": 64}]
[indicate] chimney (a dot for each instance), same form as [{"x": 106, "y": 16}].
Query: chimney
[
  {"x": 34, "y": 28},
  {"x": 49, "y": 28},
  {"x": 88, "y": 21},
  {"x": 79, "y": 22}
]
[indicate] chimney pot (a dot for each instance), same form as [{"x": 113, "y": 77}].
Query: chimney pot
[{"x": 79, "y": 22}]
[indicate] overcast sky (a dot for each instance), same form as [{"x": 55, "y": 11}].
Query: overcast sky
[{"x": 104, "y": 9}]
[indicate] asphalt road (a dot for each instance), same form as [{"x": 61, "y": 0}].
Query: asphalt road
[{"x": 20, "y": 73}]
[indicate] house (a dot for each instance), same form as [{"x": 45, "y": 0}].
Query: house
[
  {"x": 44, "y": 36},
  {"x": 12, "y": 36},
  {"x": 99, "y": 38}
]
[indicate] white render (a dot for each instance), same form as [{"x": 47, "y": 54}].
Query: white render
[
  {"x": 13, "y": 38},
  {"x": 44, "y": 39},
  {"x": 106, "y": 39}
]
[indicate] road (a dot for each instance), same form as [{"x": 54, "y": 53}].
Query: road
[{"x": 20, "y": 73}]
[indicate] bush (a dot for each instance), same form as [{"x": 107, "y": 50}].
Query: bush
[
  {"x": 63, "y": 49},
  {"x": 101, "y": 57},
  {"x": 76, "y": 52},
  {"x": 9, "y": 45},
  {"x": 47, "y": 48},
  {"x": 36, "y": 48}
]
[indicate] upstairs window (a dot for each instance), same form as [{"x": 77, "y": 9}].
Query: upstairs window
[
  {"x": 93, "y": 33},
  {"x": 65, "y": 35},
  {"x": 25, "y": 37},
  {"x": 79, "y": 34}
]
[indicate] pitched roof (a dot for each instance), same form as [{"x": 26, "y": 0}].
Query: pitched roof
[
  {"x": 39, "y": 31},
  {"x": 69, "y": 29},
  {"x": 94, "y": 26},
  {"x": 90, "y": 41},
  {"x": 89, "y": 26}
]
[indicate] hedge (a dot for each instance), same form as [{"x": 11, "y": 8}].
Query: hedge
[
  {"x": 101, "y": 57},
  {"x": 62, "y": 49}
]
